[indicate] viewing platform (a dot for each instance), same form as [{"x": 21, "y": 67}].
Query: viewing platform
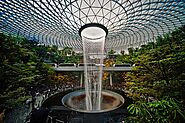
[{"x": 80, "y": 69}]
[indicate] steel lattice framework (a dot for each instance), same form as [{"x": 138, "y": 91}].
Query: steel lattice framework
[{"x": 57, "y": 22}]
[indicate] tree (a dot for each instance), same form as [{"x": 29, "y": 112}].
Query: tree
[
  {"x": 19, "y": 68},
  {"x": 67, "y": 51},
  {"x": 160, "y": 75},
  {"x": 130, "y": 50},
  {"x": 111, "y": 52},
  {"x": 122, "y": 52},
  {"x": 167, "y": 110}
]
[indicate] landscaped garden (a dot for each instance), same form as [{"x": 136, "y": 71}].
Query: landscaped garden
[{"x": 156, "y": 84}]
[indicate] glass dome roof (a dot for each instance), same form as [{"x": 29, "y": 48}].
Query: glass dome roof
[{"x": 130, "y": 23}]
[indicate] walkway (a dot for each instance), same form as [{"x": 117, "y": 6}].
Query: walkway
[{"x": 80, "y": 69}]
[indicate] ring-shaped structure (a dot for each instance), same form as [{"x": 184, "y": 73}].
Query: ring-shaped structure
[{"x": 130, "y": 23}]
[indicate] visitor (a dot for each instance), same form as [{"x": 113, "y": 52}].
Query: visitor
[
  {"x": 28, "y": 104},
  {"x": 38, "y": 100},
  {"x": 2, "y": 116},
  {"x": 33, "y": 102},
  {"x": 48, "y": 93}
]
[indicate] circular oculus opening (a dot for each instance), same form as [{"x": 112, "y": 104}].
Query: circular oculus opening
[{"x": 93, "y": 31}]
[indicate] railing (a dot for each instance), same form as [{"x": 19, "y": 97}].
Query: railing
[
  {"x": 81, "y": 69},
  {"x": 51, "y": 91}
]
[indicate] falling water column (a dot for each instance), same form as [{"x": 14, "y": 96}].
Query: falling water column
[{"x": 93, "y": 38}]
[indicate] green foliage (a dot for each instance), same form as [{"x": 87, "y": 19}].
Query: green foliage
[
  {"x": 166, "y": 110},
  {"x": 13, "y": 98},
  {"x": 161, "y": 73},
  {"x": 111, "y": 52},
  {"x": 130, "y": 50},
  {"x": 67, "y": 51},
  {"x": 23, "y": 64},
  {"x": 124, "y": 59},
  {"x": 11, "y": 102},
  {"x": 20, "y": 68}
]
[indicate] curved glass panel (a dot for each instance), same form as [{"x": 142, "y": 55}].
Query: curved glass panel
[{"x": 57, "y": 22}]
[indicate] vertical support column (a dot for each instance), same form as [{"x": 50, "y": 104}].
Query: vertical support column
[
  {"x": 110, "y": 78},
  {"x": 81, "y": 79}
]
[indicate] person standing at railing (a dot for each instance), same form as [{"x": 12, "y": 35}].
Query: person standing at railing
[
  {"x": 33, "y": 99},
  {"x": 2, "y": 116}
]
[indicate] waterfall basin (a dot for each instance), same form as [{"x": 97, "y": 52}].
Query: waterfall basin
[{"x": 76, "y": 101}]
